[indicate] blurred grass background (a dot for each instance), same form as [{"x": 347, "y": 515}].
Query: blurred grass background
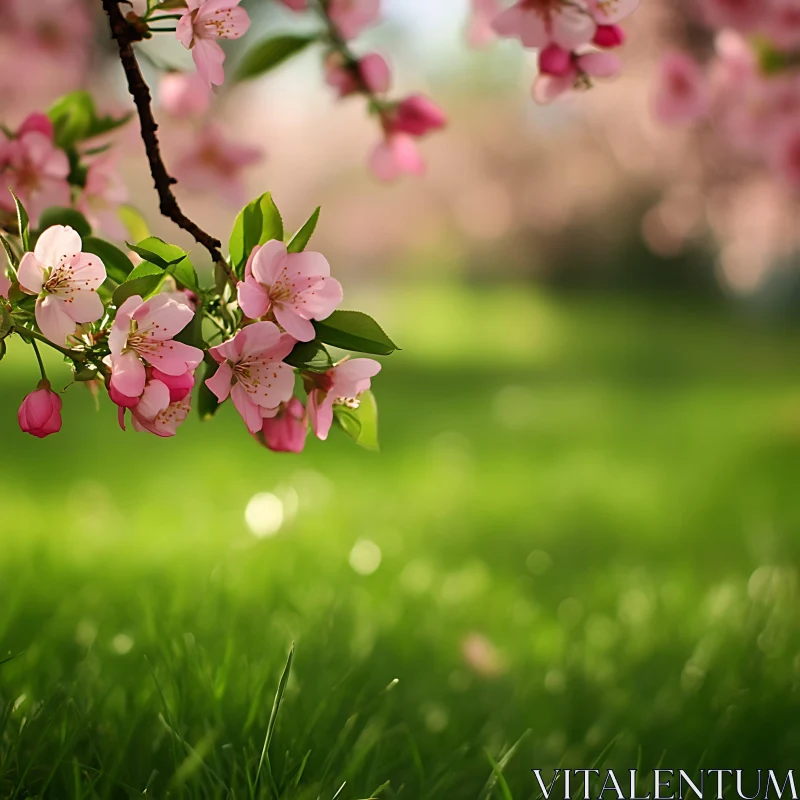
[{"x": 583, "y": 524}]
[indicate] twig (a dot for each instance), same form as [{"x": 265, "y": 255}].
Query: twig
[{"x": 125, "y": 34}]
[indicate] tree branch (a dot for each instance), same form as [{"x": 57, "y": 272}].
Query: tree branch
[{"x": 125, "y": 34}]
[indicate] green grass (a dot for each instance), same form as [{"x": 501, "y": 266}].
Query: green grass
[{"x": 608, "y": 492}]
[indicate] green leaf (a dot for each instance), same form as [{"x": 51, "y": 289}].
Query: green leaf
[
  {"x": 134, "y": 222},
  {"x": 311, "y": 356},
  {"x": 75, "y": 118},
  {"x": 360, "y": 424},
  {"x": 352, "y": 330},
  {"x": 2, "y": 349},
  {"x": 258, "y": 222},
  {"x": 270, "y": 53},
  {"x": 169, "y": 257},
  {"x": 207, "y": 404},
  {"x": 302, "y": 237},
  {"x": 12, "y": 259},
  {"x": 58, "y": 215},
  {"x": 144, "y": 286},
  {"x": 118, "y": 265},
  {"x": 6, "y": 322},
  {"x": 23, "y": 223},
  {"x": 145, "y": 269}
]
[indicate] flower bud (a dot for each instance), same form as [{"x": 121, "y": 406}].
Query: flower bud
[
  {"x": 179, "y": 385},
  {"x": 555, "y": 60},
  {"x": 40, "y": 412},
  {"x": 417, "y": 115},
  {"x": 609, "y": 36},
  {"x": 286, "y": 432}
]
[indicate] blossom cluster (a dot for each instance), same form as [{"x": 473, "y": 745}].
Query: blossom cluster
[
  {"x": 573, "y": 38},
  {"x": 748, "y": 89},
  {"x": 141, "y": 335}
]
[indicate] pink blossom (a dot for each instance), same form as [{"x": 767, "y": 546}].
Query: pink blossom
[
  {"x": 742, "y": 15},
  {"x": 103, "y": 194},
  {"x": 155, "y": 411},
  {"x": 286, "y": 431},
  {"x": 782, "y": 26},
  {"x": 609, "y": 36},
  {"x": 36, "y": 169},
  {"x": 417, "y": 116},
  {"x": 681, "y": 94},
  {"x": 394, "y": 156},
  {"x": 537, "y": 23},
  {"x": 480, "y": 31},
  {"x": 204, "y": 22},
  {"x": 180, "y": 386},
  {"x": 351, "y": 16},
  {"x": 252, "y": 372},
  {"x": 145, "y": 330},
  {"x": 184, "y": 94},
  {"x": 64, "y": 280},
  {"x": 296, "y": 5},
  {"x": 295, "y": 287},
  {"x": 549, "y": 87},
  {"x": 371, "y": 73},
  {"x": 344, "y": 383},
  {"x": 211, "y": 163},
  {"x": 40, "y": 412}
]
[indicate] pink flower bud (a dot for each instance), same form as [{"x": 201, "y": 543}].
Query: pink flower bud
[
  {"x": 286, "y": 432},
  {"x": 609, "y": 36},
  {"x": 122, "y": 400},
  {"x": 555, "y": 60},
  {"x": 375, "y": 73},
  {"x": 179, "y": 385},
  {"x": 40, "y": 412},
  {"x": 295, "y": 5},
  {"x": 417, "y": 115}
]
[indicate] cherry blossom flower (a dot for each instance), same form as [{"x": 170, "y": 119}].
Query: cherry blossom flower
[
  {"x": 180, "y": 386},
  {"x": 36, "y": 169},
  {"x": 782, "y": 27},
  {"x": 103, "y": 194},
  {"x": 211, "y": 163},
  {"x": 417, "y": 116},
  {"x": 742, "y": 15},
  {"x": 537, "y": 23},
  {"x": 145, "y": 330},
  {"x": 370, "y": 72},
  {"x": 344, "y": 383},
  {"x": 251, "y": 371},
  {"x": 681, "y": 94},
  {"x": 204, "y": 22},
  {"x": 295, "y": 287},
  {"x": 351, "y": 16},
  {"x": 40, "y": 412},
  {"x": 785, "y": 157},
  {"x": 550, "y": 86},
  {"x": 395, "y": 156},
  {"x": 156, "y": 411},
  {"x": 286, "y": 431},
  {"x": 610, "y": 12},
  {"x": 185, "y": 95},
  {"x": 65, "y": 282}
]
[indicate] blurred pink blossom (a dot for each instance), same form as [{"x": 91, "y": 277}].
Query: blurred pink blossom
[
  {"x": 395, "y": 156},
  {"x": 372, "y": 72},
  {"x": 480, "y": 32},
  {"x": 681, "y": 91},
  {"x": 102, "y": 195},
  {"x": 351, "y": 16},
  {"x": 184, "y": 94},
  {"x": 537, "y": 23}
]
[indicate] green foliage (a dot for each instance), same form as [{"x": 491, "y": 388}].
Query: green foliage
[
  {"x": 144, "y": 280},
  {"x": 311, "y": 356},
  {"x": 75, "y": 119},
  {"x": 258, "y": 222},
  {"x": 360, "y": 424},
  {"x": 23, "y": 223},
  {"x": 207, "y": 404},
  {"x": 353, "y": 330},
  {"x": 170, "y": 258},
  {"x": 57, "y": 215},
  {"x": 301, "y": 238},
  {"x": 268, "y": 54}
]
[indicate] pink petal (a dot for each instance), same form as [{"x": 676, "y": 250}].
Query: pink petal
[
  {"x": 396, "y": 156},
  {"x": 547, "y": 88},
  {"x": 251, "y": 414},
  {"x": 87, "y": 270},
  {"x": 57, "y": 245},
  {"x": 600, "y": 65},
  {"x": 609, "y": 12},
  {"x": 301, "y": 329},
  {"x": 320, "y": 413},
  {"x": 572, "y": 27},
  {"x": 220, "y": 382},
  {"x": 253, "y": 298},
  {"x": 128, "y": 374},
  {"x": 321, "y": 300},
  {"x": 30, "y": 274},
  {"x": 163, "y": 317},
  {"x": 208, "y": 58},
  {"x": 221, "y": 18},
  {"x": 227, "y": 351},
  {"x": 84, "y": 306},
  {"x": 274, "y": 383},
  {"x": 154, "y": 400},
  {"x": 353, "y": 377},
  {"x": 375, "y": 72},
  {"x": 268, "y": 262},
  {"x": 307, "y": 264},
  {"x": 174, "y": 358},
  {"x": 257, "y": 339},
  {"x": 184, "y": 30},
  {"x": 53, "y": 320},
  {"x": 509, "y": 22}
]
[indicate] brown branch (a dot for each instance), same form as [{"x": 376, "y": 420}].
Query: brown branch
[{"x": 125, "y": 34}]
